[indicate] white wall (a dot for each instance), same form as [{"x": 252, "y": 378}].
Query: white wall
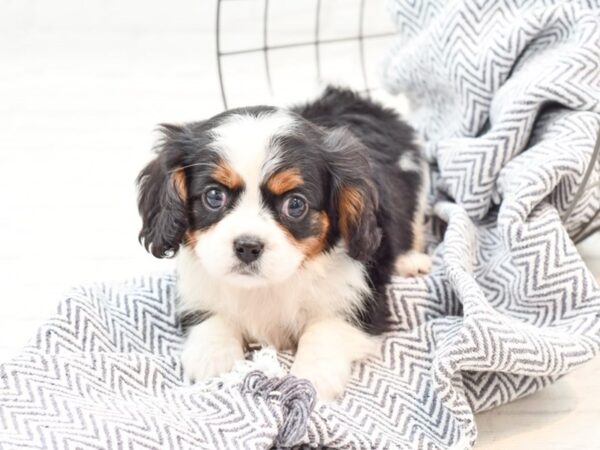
[{"x": 82, "y": 86}]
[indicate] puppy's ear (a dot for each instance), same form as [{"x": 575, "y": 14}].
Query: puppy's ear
[
  {"x": 162, "y": 196},
  {"x": 354, "y": 195}
]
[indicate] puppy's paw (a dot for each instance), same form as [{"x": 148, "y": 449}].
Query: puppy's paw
[
  {"x": 326, "y": 351},
  {"x": 412, "y": 264},
  {"x": 328, "y": 377},
  {"x": 211, "y": 349},
  {"x": 203, "y": 362}
]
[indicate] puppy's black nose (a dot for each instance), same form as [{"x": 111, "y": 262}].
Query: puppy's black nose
[{"x": 248, "y": 248}]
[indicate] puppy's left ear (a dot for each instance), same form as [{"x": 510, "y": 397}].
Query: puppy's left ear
[{"x": 354, "y": 195}]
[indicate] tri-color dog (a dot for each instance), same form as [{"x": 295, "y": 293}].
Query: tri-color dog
[{"x": 287, "y": 225}]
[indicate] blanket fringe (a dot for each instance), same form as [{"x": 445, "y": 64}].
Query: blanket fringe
[{"x": 297, "y": 397}]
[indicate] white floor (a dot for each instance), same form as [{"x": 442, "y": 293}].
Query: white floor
[{"x": 82, "y": 86}]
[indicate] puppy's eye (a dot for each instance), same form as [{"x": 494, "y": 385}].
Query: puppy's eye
[
  {"x": 294, "y": 207},
  {"x": 214, "y": 198}
]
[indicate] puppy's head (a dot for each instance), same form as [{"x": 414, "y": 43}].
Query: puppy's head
[{"x": 257, "y": 192}]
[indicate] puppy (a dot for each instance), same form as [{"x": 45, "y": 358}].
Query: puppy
[{"x": 287, "y": 225}]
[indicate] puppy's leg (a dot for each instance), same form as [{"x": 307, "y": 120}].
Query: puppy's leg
[
  {"x": 415, "y": 261},
  {"x": 211, "y": 349},
  {"x": 325, "y": 354},
  {"x": 412, "y": 264}
]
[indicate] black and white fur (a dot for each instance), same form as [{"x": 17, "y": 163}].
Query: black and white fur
[{"x": 255, "y": 271}]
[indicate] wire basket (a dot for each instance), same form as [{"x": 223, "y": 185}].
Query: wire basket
[
  {"x": 273, "y": 49},
  {"x": 269, "y": 50}
]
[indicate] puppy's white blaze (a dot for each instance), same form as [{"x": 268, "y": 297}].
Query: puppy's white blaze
[
  {"x": 245, "y": 141},
  {"x": 329, "y": 285}
]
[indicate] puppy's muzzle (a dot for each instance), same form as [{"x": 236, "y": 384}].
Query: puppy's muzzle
[{"x": 248, "y": 248}]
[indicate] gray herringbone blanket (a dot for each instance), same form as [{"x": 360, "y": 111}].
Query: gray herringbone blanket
[{"x": 507, "y": 95}]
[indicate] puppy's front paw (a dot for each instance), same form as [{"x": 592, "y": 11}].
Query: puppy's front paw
[
  {"x": 211, "y": 349},
  {"x": 326, "y": 352},
  {"x": 412, "y": 264},
  {"x": 203, "y": 362},
  {"x": 328, "y": 377}
]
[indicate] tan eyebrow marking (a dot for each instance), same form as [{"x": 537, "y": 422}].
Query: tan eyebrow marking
[
  {"x": 284, "y": 181},
  {"x": 228, "y": 177}
]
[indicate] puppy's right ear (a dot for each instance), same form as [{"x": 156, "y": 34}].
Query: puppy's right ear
[
  {"x": 354, "y": 194},
  {"x": 162, "y": 196}
]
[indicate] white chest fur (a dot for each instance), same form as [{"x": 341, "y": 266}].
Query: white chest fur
[{"x": 325, "y": 287}]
